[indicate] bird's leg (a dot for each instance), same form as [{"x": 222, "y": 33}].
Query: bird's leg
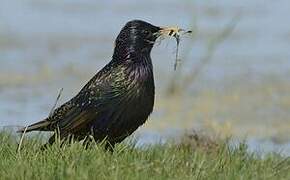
[
  {"x": 88, "y": 141},
  {"x": 51, "y": 140},
  {"x": 56, "y": 138},
  {"x": 109, "y": 146}
]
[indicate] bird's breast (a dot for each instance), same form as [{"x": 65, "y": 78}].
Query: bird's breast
[
  {"x": 141, "y": 89},
  {"x": 135, "y": 101}
]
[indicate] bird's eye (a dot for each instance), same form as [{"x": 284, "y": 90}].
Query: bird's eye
[{"x": 146, "y": 32}]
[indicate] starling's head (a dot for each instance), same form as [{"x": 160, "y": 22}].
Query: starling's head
[
  {"x": 137, "y": 34},
  {"x": 140, "y": 36}
]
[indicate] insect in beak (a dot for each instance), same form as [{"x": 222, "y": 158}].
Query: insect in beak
[{"x": 173, "y": 32}]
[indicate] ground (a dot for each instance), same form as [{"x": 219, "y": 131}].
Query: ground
[{"x": 192, "y": 158}]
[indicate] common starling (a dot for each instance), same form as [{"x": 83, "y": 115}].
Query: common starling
[{"x": 119, "y": 98}]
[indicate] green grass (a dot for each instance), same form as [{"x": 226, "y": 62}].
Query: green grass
[{"x": 185, "y": 160}]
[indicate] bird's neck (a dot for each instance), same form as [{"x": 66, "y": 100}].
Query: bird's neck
[
  {"x": 136, "y": 60},
  {"x": 129, "y": 53}
]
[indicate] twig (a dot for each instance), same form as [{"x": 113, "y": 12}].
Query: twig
[
  {"x": 21, "y": 140},
  {"x": 176, "y": 55},
  {"x": 177, "y": 37},
  {"x": 55, "y": 103}
]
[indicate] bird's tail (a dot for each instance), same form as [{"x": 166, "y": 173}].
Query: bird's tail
[{"x": 39, "y": 126}]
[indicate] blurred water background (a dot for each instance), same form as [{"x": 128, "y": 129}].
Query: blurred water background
[{"x": 233, "y": 79}]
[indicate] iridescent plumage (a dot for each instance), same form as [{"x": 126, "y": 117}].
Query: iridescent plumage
[{"x": 118, "y": 99}]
